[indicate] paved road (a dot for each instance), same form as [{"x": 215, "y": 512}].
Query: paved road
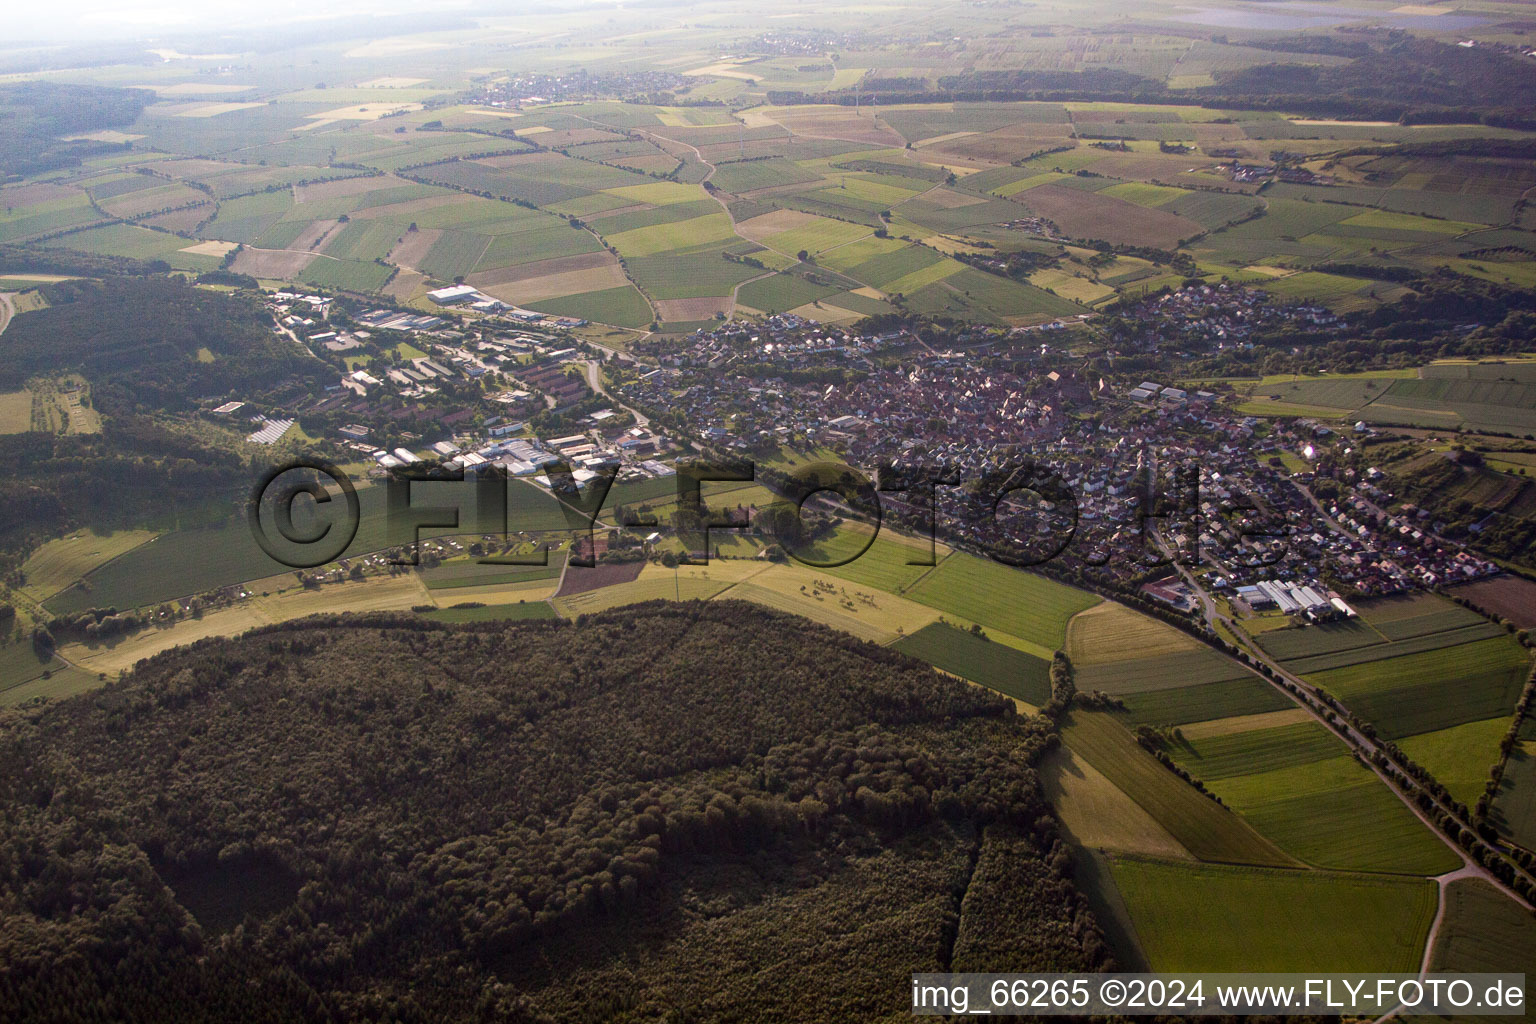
[
  {"x": 595, "y": 381},
  {"x": 1366, "y": 747}
]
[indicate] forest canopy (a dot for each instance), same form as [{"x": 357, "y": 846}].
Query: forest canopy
[{"x": 380, "y": 818}]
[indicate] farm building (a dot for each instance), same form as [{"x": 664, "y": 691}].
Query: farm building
[{"x": 455, "y": 295}]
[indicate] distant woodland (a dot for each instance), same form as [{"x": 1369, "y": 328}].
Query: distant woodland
[
  {"x": 1415, "y": 80},
  {"x": 150, "y": 347},
  {"x": 678, "y": 812},
  {"x": 33, "y": 115}
]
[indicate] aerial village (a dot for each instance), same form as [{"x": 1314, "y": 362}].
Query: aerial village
[{"x": 1271, "y": 515}]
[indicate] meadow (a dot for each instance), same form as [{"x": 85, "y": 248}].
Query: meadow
[
  {"x": 1460, "y": 758},
  {"x": 1002, "y": 668},
  {"x": 1483, "y": 930},
  {"x": 1514, "y": 807},
  {"x": 1297, "y": 786},
  {"x": 61, "y": 562},
  {"x": 1202, "y": 826},
  {"x": 1097, "y": 814},
  {"x": 1434, "y": 689},
  {"x": 470, "y": 572},
  {"x": 1206, "y": 917},
  {"x": 493, "y": 613},
  {"x": 1021, "y": 604},
  {"x": 15, "y": 412}
]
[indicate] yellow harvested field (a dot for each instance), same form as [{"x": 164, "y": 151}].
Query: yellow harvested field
[
  {"x": 391, "y": 593},
  {"x": 1244, "y": 723},
  {"x": 215, "y": 109},
  {"x": 34, "y": 277},
  {"x": 1071, "y": 286},
  {"x": 15, "y": 412},
  {"x": 377, "y": 594},
  {"x": 571, "y": 282},
  {"x": 1110, "y": 632},
  {"x": 61, "y": 562},
  {"x": 360, "y": 112},
  {"x": 105, "y": 135},
  {"x": 390, "y": 82},
  {"x": 821, "y": 597},
  {"x": 777, "y": 222},
  {"x": 123, "y": 654},
  {"x": 757, "y": 117},
  {"x": 659, "y": 586},
  {"x": 1098, "y": 814},
  {"x": 195, "y": 88},
  {"x": 826, "y": 312},
  {"x": 659, "y": 193},
  {"x": 722, "y": 70},
  {"x": 214, "y": 248},
  {"x": 939, "y": 139}
]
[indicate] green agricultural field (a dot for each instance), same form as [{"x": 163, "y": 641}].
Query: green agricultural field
[
  {"x": 1421, "y": 643},
  {"x": 1484, "y": 931},
  {"x": 689, "y": 276},
  {"x": 470, "y": 572},
  {"x": 699, "y": 231},
  {"x": 192, "y": 561},
  {"x": 25, "y": 222},
  {"x": 366, "y": 239},
  {"x": 622, "y": 306},
  {"x": 645, "y": 216},
  {"x": 1246, "y": 753},
  {"x": 1296, "y": 786},
  {"x": 541, "y": 238},
  {"x": 1203, "y": 702},
  {"x": 19, "y": 664},
  {"x": 1514, "y": 808},
  {"x": 493, "y": 613},
  {"x": 1202, "y": 826},
  {"x": 1433, "y": 690},
  {"x": 1027, "y": 606},
  {"x": 348, "y": 275},
  {"x": 855, "y": 254},
  {"x": 61, "y": 681},
  {"x": 783, "y": 292},
  {"x": 886, "y": 265},
  {"x": 1002, "y": 668},
  {"x": 454, "y": 254},
  {"x": 122, "y": 240},
  {"x": 1205, "y": 917},
  {"x": 245, "y": 218},
  {"x": 61, "y": 562},
  {"x": 886, "y": 564},
  {"x": 747, "y": 175},
  {"x": 1194, "y": 667},
  {"x": 817, "y": 236},
  {"x": 1461, "y": 757},
  {"x": 1320, "y": 639}
]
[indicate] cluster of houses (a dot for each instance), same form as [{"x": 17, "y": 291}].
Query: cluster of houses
[
  {"x": 1211, "y": 479},
  {"x": 1214, "y": 479},
  {"x": 1214, "y": 316}
]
